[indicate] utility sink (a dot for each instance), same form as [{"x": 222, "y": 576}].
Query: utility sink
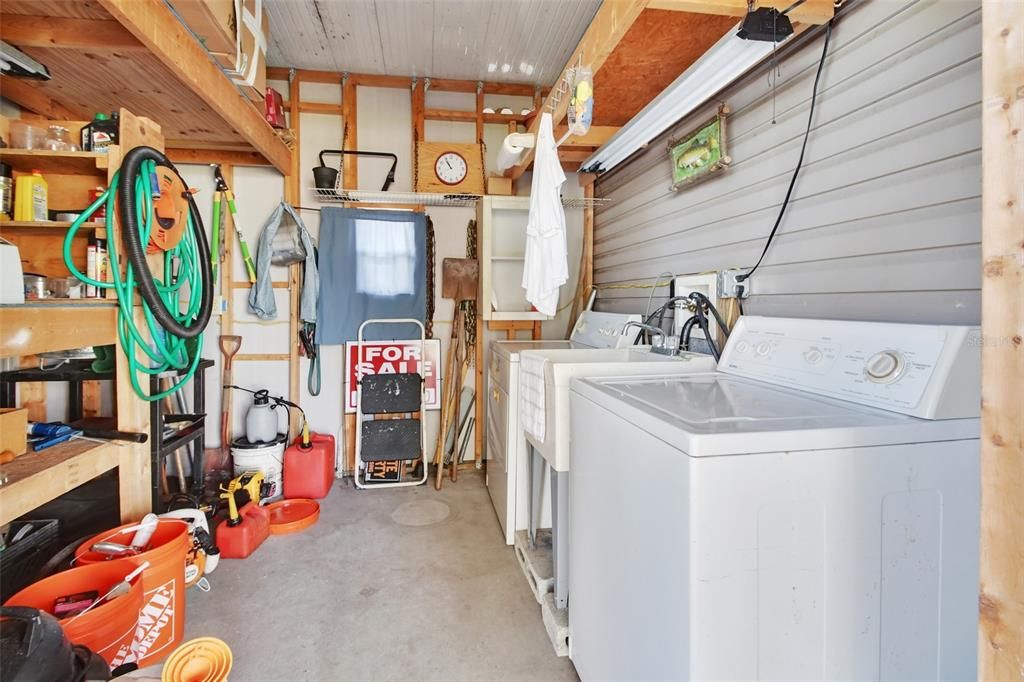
[{"x": 557, "y": 367}]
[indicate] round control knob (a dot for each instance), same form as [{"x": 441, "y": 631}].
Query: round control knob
[
  {"x": 812, "y": 356},
  {"x": 885, "y": 366},
  {"x": 763, "y": 348},
  {"x": 742, "y": 347}
]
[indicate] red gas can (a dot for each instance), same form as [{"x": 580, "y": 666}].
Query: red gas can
[
  {"x": 309, "y": 472},
  {"x": 241, "y": 540}
]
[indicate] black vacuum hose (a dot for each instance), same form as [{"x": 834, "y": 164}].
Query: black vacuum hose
[{"x": 136, "y": 250}]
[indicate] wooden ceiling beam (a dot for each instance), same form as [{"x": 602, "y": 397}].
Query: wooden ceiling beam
[
  {"x": 215, "y": 156},
  {"x": 808, "y": 12},
  {"x": 280, "y": 73},
  {"x": 27, "y": 94},
  {"x": 607, "y": 28},
  {"x": 595, "y": 137},
  {"x": 22, "y": 30},
  {"x": 171, "y": 43}
]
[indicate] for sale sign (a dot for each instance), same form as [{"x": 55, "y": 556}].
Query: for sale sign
[{"x": 393, "y": 357}]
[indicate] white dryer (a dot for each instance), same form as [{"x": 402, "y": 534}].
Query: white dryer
[
  {"x": 507, "y": 466},
  {"x": 808, "y": 511}
]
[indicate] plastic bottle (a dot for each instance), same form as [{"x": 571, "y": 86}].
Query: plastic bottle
[
  {"x": 30, "y": 193},
  {"x": 100, "y": 133},
  {"x": 91, "y": 267},
  {"x": 260, "y": 420}
]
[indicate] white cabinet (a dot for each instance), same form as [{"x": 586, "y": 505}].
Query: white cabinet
[{"x": 502, "y": 225}]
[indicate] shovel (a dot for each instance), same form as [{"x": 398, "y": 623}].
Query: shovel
[{"x": 229, "y": 347}]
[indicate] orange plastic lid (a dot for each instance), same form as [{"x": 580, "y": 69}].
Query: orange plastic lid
[
  {"x": 206, "y": 659},
  {"x": 291, "y": 516}
]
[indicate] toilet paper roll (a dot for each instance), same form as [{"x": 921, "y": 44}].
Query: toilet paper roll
[{"x": 508, "y": 155}]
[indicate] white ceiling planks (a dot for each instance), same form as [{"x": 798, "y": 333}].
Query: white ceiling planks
[{"x": 519, "y": 41}]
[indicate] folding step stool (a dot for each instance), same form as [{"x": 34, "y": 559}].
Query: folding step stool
[{"x": 389, "y": 409}]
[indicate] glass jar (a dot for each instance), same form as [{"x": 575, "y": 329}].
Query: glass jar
[{"x": 58, "y": 139}]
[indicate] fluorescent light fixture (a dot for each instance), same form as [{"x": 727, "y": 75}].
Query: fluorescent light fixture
[{"x": 727, "y": 60}]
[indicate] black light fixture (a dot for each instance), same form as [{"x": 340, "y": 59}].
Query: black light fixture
[{"x": 765, "y": 24}]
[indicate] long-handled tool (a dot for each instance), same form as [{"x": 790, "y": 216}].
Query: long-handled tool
[
  {"x": 446, "y": 386},
  {"x": 229, "y": 347},
  {"x": 223, "y": 193}
]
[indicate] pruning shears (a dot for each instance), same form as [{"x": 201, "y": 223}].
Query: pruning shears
[{"x": 223, "y": 193}]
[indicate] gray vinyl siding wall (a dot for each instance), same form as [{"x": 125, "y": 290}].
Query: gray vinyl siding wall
[{"x": 885, "y": 220}]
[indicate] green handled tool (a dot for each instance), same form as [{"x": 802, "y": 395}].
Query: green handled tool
[{"x": 224, "y": 193}]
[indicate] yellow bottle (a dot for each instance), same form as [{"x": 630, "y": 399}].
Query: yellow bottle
[{"x": 30, "y": 197}]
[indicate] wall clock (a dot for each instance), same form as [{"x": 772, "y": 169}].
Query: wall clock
[{"x": 449, "y": 168}]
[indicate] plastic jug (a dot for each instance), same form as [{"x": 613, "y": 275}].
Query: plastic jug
[
  {"x": 309, "y": 472},
  {"x": 30, "y": 198},
  {"x": 260, "y": 420}
]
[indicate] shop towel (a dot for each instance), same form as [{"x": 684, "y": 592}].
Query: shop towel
[{"x": 547, "y": 258}]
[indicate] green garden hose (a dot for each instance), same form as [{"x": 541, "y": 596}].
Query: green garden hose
[{"x": 177, "y": 307}]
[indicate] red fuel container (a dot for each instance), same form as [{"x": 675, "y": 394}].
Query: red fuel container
[
  {"x": 238, "y": 542},
  {"x": 309, "y": 473}
]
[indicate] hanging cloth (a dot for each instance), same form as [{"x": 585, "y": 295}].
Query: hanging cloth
[
  {"x": 547, "y": 258},
  {"x": 261, "y": 295}
]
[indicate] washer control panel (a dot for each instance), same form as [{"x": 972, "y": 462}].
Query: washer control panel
[
  {"x": 908, "y": 368},
  {"x": 603, "y": 330}
]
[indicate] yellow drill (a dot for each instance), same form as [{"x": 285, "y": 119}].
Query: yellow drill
[{"x": 240, "y": 490}]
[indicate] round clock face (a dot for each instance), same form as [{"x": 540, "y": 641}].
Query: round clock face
[{"x": 450, "y": 168}]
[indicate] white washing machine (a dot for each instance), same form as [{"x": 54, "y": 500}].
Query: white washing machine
[
  {"x": 809, "y": 511},
  {"x": 507, "y": 470}
]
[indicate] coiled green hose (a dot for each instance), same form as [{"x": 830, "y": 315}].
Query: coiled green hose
[{"x": 176, "y": 308}]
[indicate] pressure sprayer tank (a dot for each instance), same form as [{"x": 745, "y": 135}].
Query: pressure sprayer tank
[
  {"x": 260, "y": 420},
  {"x": 309, "y": 471}
]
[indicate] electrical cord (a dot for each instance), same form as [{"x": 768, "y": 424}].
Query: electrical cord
[
  {"x": 177, "y": 307},
  {"x": 800, "y": 161}
]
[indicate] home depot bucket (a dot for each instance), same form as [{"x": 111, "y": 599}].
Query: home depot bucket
[
  {"x": 107, "y": 629},
  {"x": 161, "y": 625},
  {"x": 265, "y": 457}
]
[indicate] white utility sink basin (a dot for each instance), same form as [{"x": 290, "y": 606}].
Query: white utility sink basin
[{"x": 559, "y": 366}]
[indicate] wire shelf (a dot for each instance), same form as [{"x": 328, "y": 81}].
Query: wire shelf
[{"x": 356, "y": 196}]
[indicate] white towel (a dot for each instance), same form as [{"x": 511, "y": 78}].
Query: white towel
[
  {"x": 547, "y": 260},
  {"x": 531, "y": 394}
]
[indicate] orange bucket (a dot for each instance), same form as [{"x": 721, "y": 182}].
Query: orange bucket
[
  {"x": 107, "y": 629},
  {"x": 161, "y": 625}
]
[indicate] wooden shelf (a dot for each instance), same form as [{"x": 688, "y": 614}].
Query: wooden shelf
[
  {"x": 58, "y": 163},
  {"x": 37, "y": 327},
  {"x": 38, "y": 477},
  {"x": 45, "y": 224}
]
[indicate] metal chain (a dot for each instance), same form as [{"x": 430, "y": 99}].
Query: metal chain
[
  {"x": 469, "y": 309},
  {"x": 428, "y": 325}
]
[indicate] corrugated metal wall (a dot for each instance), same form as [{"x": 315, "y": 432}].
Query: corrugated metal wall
[{"x": 885, "y": 221}]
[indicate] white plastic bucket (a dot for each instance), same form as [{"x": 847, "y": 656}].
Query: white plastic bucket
[{"x": 265, "y": 457}]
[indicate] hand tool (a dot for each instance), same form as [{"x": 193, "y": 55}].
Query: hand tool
[
  {"x": 45, "y": 435},
  {"x": 117, "y": 590},
  {"x": 113, "y": 549},
  {"x": 224, "y": 193},
  {"x": 249, "y": 487},
  {"x": 229, "y": 347}
]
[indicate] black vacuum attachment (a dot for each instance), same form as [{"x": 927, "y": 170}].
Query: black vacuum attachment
[{"x": 765, "y": 24}]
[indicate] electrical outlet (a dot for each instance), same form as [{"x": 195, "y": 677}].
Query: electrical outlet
[{"x": 729, "y": 286}]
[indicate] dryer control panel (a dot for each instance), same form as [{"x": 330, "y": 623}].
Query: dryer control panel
[{"x": 927, "y": 371}]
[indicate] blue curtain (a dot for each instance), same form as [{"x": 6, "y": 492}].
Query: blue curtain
[{"x": 372, "y": 265}]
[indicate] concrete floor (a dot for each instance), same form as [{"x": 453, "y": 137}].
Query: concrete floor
[{"x": 406, "y": 584}]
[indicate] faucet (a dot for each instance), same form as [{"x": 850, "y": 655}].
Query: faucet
[{"x": 661, "y": 348}]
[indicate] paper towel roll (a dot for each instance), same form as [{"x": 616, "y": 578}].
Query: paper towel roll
[{"x": 508, "y": 155}]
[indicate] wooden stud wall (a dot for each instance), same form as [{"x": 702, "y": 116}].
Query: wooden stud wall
[{"x": 1001, "y": 633}]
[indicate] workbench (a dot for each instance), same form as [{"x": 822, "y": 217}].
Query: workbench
[{"x": 37, "y": 478}]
